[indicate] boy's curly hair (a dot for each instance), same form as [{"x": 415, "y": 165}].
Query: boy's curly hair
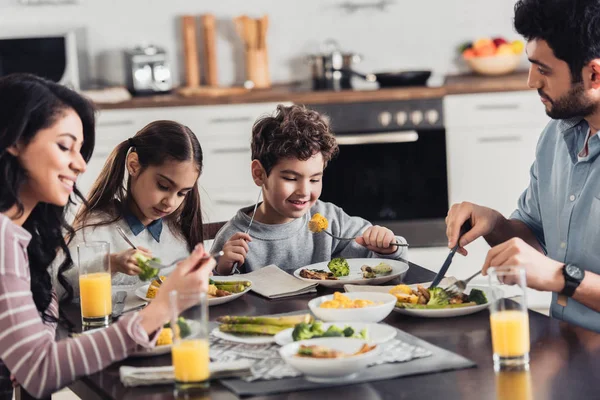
[{"x": 293, "y": 131}]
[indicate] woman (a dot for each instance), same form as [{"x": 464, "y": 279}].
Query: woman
[{"x": 46, "y": 138}]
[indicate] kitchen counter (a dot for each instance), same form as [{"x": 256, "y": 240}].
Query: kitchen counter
[{"x": 462, "y": 84}]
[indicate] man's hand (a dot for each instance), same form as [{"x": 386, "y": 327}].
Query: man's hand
[
  {"x": 543, "y": 273},
  {"x": 378, "y": 239},
  {"x": 483, "y": 221}
]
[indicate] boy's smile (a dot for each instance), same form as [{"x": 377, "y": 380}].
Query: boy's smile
[{"x": 290, "y": 190}]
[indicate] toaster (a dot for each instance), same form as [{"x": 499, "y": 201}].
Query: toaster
[{"x": 147, "y": 71}]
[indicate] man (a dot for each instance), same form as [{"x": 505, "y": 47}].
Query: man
[{"x": 555, "y": 231}]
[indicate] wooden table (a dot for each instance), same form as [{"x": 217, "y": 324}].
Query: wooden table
[{"x": 565, "y": 360}]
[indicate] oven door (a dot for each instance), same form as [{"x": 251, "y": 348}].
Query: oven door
[{"x": 395, "y": 179}]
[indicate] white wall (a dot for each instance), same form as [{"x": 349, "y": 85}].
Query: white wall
[{"x": 409, "y": 34}]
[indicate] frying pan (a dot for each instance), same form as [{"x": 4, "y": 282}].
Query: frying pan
[{"x": 396, "y": 78}]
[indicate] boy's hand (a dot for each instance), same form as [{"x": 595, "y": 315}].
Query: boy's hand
[
  {"x": 125, "y": 261},
  {"x": 378, "y": 239},
  {"x": 235, "y": 249}
]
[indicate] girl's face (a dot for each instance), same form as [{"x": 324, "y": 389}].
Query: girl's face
[
  {"x": 158, "y": 191},
  {"x": 53, "y": 161}
]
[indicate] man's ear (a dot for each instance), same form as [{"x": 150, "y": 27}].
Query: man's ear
[
  {"x": 133, "y": 164},
  {"x": 259, "y": 175},
  {"x": 594, "y": 67}
]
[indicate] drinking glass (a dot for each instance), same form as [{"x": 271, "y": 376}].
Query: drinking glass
[
  {"x": 95, "y": 283},
  {"x": 514, "y": 385},
  {"x": 509, "y": 318},
  {"x": 190, "y": 351}
]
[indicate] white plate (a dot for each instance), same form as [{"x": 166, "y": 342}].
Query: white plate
[
  {"x": 384, "y": 303},
  {"x": 212, "y": 301},
  {"x": 450, "y": 312},
  {"x": 355, "y": 277},
  {"x": 377, "y": 333},
  {"x": 330, "y": 369},
  {"x": 242, "y": 338}
]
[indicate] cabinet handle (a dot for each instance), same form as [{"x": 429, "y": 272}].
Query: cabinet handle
[
  {"x": 371, "y": 138},
  {"x": 124, "y": 122},
  {"x": 235, "y": 150},
  {"x": 493, "y": 107},
  {"x": 499, "y": 139},
  {"x": 235, "y": 202},
  {"x": 229, "y": 120}
]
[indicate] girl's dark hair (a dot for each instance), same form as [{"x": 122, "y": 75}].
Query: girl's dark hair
[
  {"x": 29, "y": 104},
  {"x": 570, "y": 27},
  {"x": 157, "y": 143}
]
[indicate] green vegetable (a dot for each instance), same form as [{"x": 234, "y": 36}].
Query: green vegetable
[
  {"x": 348, "y": 331},
  {"x": 287, "y": 321},
  {"x": 339, "y": 266},
  {"x": 144, "y": 263},
  {"x": 432, "y": 307},
  {"x": 305, "y": 351},
  {"x": 305, "y": 331},
  {"x": 302, "y": 331},
  {"x": 477, "y": 296},
  {"x": 382, "y": 269},
  {"x": 184, "y": 327},
  {"x": 252, "y": 329},
  {"x": 439, "y": 297},
  {"x": 364, "y": 334},
  {"x": 331, "y": 333}
]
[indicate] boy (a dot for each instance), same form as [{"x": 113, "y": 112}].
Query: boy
[{"x": 290, "y": 150}]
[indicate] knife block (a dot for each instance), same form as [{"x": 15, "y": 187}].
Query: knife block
[{"x": 257, "y": 67}]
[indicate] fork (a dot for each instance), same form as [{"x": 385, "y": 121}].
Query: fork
[
  {"x": 157, "y": 265},
  {"x": 458, "y": 287},
  {"x": 343, "y": 238}
]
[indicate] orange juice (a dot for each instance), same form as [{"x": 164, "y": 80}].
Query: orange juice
[
  {"x": 510, "y": 333},
  {"x": 96, "y": 296},
  {"x": 190, "y": 360},
  {"x": 514, "y": 385}
]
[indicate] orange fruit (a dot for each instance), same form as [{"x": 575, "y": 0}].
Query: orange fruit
[
  {"x": 486, "y": 51},
  {"x": 483, "y": 43},
  {"x": 469, "y": 53}
]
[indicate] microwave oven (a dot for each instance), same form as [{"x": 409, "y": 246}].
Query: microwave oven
[{"x": 59, "y": 55}]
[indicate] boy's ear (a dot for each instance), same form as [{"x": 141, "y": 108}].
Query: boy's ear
[
  {"x": 133, "y": 164},
  {"x": 259, "y": 175}
]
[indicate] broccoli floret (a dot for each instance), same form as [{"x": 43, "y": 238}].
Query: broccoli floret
[
  {"x": 184, "y": 327},
  {"x": 302, "y": 331},
  {"x": 348, "y": 331},
  {"x": 147, "y": 272},
  {"x": 364, "y": 334},
  {"x": 438, "y": 297},
  {"x": 317, "y": 329},
  {"x": 339, "y": 266},
  {"x": 333, "y": 331},
  {"x": 477, "y": 296}
]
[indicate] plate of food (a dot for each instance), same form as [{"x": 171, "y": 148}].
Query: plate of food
[
  {"x": 373, "y": 333},
  {"x": 164, "y": 342},
  {"x": 356, "y": 271},
  {"x": 418, "y": 301},
  {"x": 219, "y": 291},
  {"x": 256, "y": 329}
]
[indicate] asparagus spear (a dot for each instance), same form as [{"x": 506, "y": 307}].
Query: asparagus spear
[
  {"x": 231, "y": 288},
  {"x": 291, "y": 320},
  {"x": 252, "y": 329}
]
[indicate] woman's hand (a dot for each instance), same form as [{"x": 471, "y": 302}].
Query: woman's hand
[
  {"x": 190, "y": 276},
  {"x": 125, "y": 261}
]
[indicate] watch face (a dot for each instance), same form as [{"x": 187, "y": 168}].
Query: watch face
[{"x": 574, "y": 272}]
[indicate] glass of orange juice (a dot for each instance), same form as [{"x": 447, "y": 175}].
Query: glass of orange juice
[
  {"x": 190, "y": 350},
  {"x": 514, "y": 385},
  {"x": 509, "y": 318},
  {"x": 95, "y": 283}
]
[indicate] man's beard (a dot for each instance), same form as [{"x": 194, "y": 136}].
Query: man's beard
[{"x": 573, "y": 104}]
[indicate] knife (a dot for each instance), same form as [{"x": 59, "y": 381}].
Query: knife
[
  {"x": 466, "y": 227},
  {"x": 119, "y": 302}
]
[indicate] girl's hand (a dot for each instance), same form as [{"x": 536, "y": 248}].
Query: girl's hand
[
  {"x": 378, "y": 239},
  {"x": 235, "y": 251},
  {"x": 189, "y": 277},
  {"x": 125, "y": 261}
]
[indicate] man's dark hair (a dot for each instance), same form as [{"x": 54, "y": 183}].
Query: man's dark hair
[
  {"x": 293, "y": 131},
  {"x": 570, "y": 27}
]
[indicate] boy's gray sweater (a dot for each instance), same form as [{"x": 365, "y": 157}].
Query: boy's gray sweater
[{"x": 291, "y": 245}]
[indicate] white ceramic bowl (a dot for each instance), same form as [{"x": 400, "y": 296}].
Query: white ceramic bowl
[
  {"x": 329, "y": 369},
  {"x": 494, "y": 65},
  {"x": 373, "y": 313}
]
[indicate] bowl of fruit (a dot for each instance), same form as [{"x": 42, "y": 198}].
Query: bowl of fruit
[{"x": 487, "y": 56}]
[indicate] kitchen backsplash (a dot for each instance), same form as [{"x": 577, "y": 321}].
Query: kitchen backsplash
[{"x": 407, "y": 34}]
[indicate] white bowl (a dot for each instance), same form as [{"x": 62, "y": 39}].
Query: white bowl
[
  {"x": 329, "y": 369},
  {"x": 374, "y": 313},
  {"x": 494, "y": 65}
]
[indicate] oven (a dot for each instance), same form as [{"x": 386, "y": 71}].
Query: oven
[{"x": 391, "y": 168}]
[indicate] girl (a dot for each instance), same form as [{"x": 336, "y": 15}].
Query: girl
[
  {"x": 46, "y": 138},
  {"x": 148, "y": 188}
]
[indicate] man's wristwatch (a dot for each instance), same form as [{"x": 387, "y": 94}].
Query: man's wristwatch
[{"x": 573, "y": 277}]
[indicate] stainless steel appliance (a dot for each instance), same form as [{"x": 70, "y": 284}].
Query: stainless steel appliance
[
  {"x": 56, "y": 54},
  {"x": 147, "y": 70},
  {"x": 391, "y": 169}
]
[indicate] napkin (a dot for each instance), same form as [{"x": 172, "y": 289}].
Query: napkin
[
  {"x": 274, "y": 283},
  {"x": 144, "y": 376}
]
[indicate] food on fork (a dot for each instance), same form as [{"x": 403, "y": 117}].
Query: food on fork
[
  {"x": 341, "y": 301},
  {"x": 153, "y": 288},
  {"x": 325, "y": 352},
  {"x": 435, "y": 298},
  {"x": 318, "y": 274},
  {"x": 166, "y": 335},
  {"x": 339, "y": 266},
  {"x": 147, "y": 272},
  {"x": 317, "y": 223},
  {"x": 261, "y": 325}
]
